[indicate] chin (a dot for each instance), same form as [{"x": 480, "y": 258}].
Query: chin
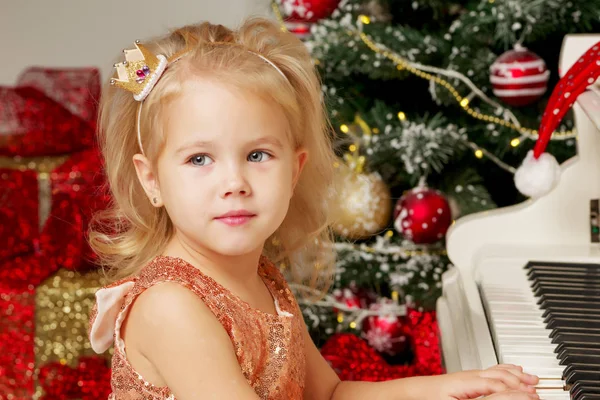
[{"x": 236, "y": 250}]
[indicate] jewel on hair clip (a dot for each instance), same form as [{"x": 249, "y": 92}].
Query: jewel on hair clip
[{"x": 140, "y": 71}]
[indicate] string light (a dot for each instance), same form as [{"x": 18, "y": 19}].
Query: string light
[
  {"x": 515, "y": 142},
  {"x": 353, "y": 325},
  {"x": 401, "y": 116},
  {"x": 403, "y": 64},
  {"x": 344, "y": 128},
  {"x": 478, "y": 153},
  {"x": 340, "y": 318},
  {"x": 365, "y": 20}
]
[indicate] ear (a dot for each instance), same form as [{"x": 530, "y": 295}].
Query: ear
[
  {"x": 300, "y": 158},
  {"x": 148, "y": 179}
]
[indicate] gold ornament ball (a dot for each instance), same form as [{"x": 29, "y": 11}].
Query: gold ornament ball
[{"x": 362, "y": 206}]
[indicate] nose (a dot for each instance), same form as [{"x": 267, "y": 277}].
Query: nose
[{"x": 235, "y": 183}]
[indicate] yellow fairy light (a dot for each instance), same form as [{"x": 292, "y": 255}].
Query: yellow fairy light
[
  {"x": 389, "y": 233},
  {"x": 366, "y": 129},
  {"x": 344, "y": 128},
  {"x": 515, "y": 142},
  {"x": 401, "y": 116},
  {"x": 364, "y": 19},
  {"x": 376, "y": 130},
  {"x": 352, "y": 148},
  {"x": 478, "y": 153},
  {"x": 353, "y": 325},
  {"x": 340, "y": 318},
  {"x": 464, "y": 102},
  {"x": 395, "y": 296}
]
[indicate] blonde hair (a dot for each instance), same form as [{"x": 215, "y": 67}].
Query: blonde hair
[{"x": 132, "y": 232}]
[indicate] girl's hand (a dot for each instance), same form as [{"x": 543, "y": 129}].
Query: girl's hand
[{"x": 500, "y": 382}]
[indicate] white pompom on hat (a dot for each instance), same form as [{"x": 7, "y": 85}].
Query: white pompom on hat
[{"x": 540, "y": 173}]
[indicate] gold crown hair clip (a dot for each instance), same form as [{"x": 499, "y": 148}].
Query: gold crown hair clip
[{"x": 140, "y": 71}]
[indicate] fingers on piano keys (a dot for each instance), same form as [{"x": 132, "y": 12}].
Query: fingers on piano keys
[{"x": 547, "y": 319}]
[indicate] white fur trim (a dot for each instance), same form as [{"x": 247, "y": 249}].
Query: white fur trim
[
  {"x": 109, "y": 302},
  {"x": 535, "y": 178}
]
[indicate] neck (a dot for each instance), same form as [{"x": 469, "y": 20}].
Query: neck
[{"x": 241, "y": 269}]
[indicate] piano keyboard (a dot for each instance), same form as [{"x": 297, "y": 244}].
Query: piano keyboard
[{"x": 547, "y": 320}]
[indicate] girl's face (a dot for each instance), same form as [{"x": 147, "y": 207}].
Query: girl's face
[{"x": 228, "y": 169}]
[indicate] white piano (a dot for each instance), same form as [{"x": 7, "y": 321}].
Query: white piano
[{"x": 489, "y": 313}]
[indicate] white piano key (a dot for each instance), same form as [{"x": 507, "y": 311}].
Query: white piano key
[
  {"x": 532, "y": 360},
  {"x": 517, "y": 326},
  {"x": 550, "y": 394}
]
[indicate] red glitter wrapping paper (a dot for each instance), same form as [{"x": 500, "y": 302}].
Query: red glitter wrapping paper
[
  {"x": 49, "y": 112},
  {"x": 354, "y": 360},
  {"x": 18, "y": 230},
  {"x": 47, "y": 125}
]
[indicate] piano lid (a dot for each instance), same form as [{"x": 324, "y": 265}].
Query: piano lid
[{"x": 556, "y": 226}]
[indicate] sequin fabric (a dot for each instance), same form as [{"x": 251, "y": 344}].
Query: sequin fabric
[{"x": 269, "y": 347}]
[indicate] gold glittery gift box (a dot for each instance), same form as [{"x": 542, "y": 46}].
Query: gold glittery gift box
[{"x": 63, "y": 304}]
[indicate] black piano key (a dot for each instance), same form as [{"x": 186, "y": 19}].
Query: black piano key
[
  {"x": 582, "y": 388},
  {"x": 566, "y": 291},
  {"x": 571, "y": 314},
  {"x": 591, "y": 359},
  {"x": 587, "y": 305},
  {"x": 580, "y": 372},
  {"x": 576, "y": 337},
  {"x": 563, "y": 285},
  {"x": 577, "y": 350},
  {"x": 558, "y": 271},
  {"x": 549, "y": 280},
  {"x": 557, "y": 322},
  {"x": 572, "y": 331},
  {"x": 573, "y": 297},
  {"x": 567, "y": 311},
  {"x": 586, "y": 393},
  {"x": 560, "y": 265},
  {"x": 575, "y": 344}
]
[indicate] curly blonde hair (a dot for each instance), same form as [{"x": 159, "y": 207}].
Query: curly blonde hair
[{"x": 132, "y": 232}]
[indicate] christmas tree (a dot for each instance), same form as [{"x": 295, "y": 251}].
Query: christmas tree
[{"x": 435, "y": 103}]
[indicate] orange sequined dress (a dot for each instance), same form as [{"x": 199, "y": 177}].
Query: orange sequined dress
[{"x": 269, "y": 347}]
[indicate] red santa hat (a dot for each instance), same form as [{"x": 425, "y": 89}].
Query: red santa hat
[{"x": 539, "y": 173}]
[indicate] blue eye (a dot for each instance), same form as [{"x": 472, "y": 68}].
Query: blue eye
[
  {"x": 201, "y": 160},
  {"x": 258, "y": 156}
]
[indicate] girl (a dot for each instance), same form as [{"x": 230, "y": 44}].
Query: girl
[{"x": 219, "y": 160}]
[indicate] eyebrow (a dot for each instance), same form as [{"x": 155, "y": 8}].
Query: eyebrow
[{"x": 272, "y": 140}]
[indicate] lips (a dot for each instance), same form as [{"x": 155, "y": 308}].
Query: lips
[
  {"x": 237, "y": 213},
  {"x": 236, "y": 217}
]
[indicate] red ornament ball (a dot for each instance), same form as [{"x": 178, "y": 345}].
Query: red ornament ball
[
  {"x": 388, "y": 333},
  {"x": 301, "y": 14},
  {"x": 422, "y": 215},
  {"x": 519, "y": 77}
]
